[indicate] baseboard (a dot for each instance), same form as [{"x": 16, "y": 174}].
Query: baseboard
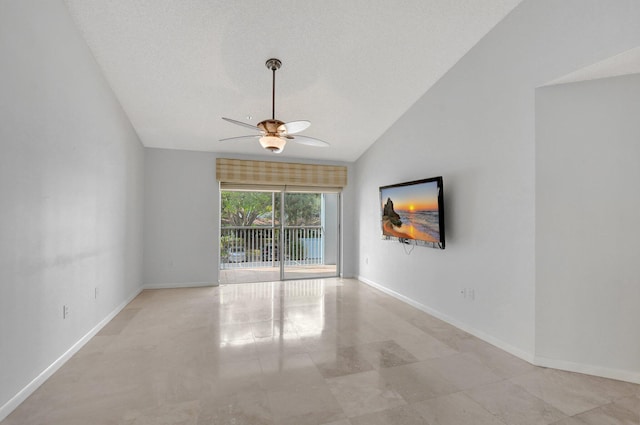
[
  {"x": 178, "y": 285},
  {"x": 524, "y": 355},
  {"x": 22, "y": 395},
  {"x": 604, "y": 372}
]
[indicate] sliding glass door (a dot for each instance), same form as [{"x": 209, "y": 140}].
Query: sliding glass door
[
  {"x": 257, "y": 245},
  {"x": 310, "y": 235}
]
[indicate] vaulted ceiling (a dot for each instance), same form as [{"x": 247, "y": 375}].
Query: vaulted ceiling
[{"x": 350, "y": 67}]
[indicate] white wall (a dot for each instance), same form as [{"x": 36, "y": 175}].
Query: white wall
[
  {"x": 476, "y": 128},
  {"x": 331, "y": 207},
  {"x": 587, "y": 226},
  {"x": 70, "y": 194},
  {"x": 348, "y": 227},
  {"x": 182, "y": 218}
]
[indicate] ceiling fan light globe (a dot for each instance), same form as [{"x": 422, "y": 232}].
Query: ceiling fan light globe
[{"x": 273, "y": 143}]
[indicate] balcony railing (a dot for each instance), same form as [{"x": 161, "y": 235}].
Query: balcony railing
[{"x": 261, "y": 246}]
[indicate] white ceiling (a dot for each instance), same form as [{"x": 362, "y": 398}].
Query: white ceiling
[{"x": 351, "y": 67}]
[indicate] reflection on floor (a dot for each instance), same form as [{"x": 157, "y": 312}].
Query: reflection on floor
[
  {"x": 249, "y": 273},
  {"x": 307, "y": 352}
]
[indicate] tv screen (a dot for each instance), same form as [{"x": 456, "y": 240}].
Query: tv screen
[{"x": 414, "y": 212}]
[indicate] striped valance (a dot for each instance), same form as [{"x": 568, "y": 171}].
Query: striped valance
[{"x": 238, "y": 171}]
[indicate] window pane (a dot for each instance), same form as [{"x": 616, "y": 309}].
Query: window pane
[
  {"x": 246, "y": 209},
  {"x": 302, "y": 209}
]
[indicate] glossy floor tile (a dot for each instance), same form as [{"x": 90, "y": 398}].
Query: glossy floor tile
[{"x": 308, "y": 352}]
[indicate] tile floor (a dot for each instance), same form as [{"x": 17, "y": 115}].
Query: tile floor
[{"x": 333, "y": 352}]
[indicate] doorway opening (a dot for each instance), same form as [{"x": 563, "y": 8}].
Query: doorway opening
[{"x": 272, "y": 235}]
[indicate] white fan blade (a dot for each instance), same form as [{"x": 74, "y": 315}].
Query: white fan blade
[
  {"x": 294, "y": 127},
  {"x": 240, "y": 123},
  {"x": 310, "y": 141},
  {"x": 240, "y": 137}
]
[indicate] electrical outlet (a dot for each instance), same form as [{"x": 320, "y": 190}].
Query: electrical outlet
[
  {"x": 468, "y": 293},
  {"x": 65, "y": 311},
  {"x": 96, "y": 292}
]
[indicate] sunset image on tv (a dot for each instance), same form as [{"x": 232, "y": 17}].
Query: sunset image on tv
[{"x": 411, "y": 211}]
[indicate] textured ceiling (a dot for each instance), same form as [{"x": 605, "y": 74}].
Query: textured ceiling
[{"x": 350, "y": 67}]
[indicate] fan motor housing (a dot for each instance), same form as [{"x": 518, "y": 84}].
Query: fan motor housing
[{"x": 272, "y": 127}]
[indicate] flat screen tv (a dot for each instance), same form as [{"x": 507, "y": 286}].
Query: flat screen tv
[{"x": 413, "y": 212}]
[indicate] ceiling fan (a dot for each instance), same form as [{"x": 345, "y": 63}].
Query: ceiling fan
[{"x": 273, "y": 133}]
